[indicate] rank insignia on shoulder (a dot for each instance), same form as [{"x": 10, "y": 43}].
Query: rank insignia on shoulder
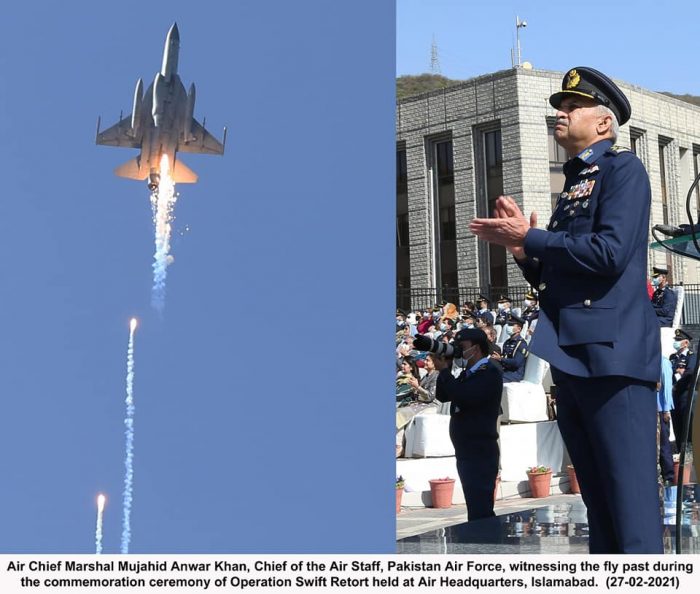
[
  {"x": 589, "y": 170},
  {"x": 619, "y": 149}
]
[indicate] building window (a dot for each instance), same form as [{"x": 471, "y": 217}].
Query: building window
[
  {"x": 403, "y": 260},
  {"x": 663, "y": 144},
  {"x": 492, "y": 176},
  {"x": 557, "y": 158},
  {"x": 636, "y": 141},
  {"x": 696, "y": 170},
  {"x": 442, "y": 168}
]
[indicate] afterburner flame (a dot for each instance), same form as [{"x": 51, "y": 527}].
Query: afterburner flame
[
  {"x": 98, "y": 528},
  {"x": 163, "y": 203},
  {"x": 132, "y": 325}
]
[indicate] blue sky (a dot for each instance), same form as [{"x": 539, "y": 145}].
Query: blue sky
[
  {"x": 267, "y": 374},
  {"x": 645, "y": 42}
]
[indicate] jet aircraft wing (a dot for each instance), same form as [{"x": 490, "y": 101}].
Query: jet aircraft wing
[
  {"x": 201, "y": 141},
  {"x": 118, "y": 135}
]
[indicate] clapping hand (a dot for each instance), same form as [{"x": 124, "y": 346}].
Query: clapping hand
[{"x": 508, "y": 227}]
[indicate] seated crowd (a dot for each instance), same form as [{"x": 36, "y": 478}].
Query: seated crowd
[{"x": 417, "y": 370}]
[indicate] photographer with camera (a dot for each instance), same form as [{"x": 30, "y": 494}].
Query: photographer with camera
[{"x": 475, "y": 402}]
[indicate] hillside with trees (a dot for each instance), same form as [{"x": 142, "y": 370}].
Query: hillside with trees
[
  {"x": 422, "y": 83},
  {"x": 409, "y": 85}
]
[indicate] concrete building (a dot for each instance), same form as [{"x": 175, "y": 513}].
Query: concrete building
[{"x": 459, "y": 148}]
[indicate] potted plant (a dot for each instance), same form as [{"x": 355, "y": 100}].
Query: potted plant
[
  {"x": 573, "y": 481},
  {"x": 399, "y": 492},
  {"x": 540, "y": 478},
  {"x": 441, "y": 491}
]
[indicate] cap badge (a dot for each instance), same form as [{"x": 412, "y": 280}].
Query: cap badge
[{"x": 574, "y": 79}]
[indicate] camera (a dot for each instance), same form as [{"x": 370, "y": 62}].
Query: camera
[{"x": 442, "y": 349}]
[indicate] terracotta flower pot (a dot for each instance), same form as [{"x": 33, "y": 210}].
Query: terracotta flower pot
[
  {"x": 539, "y": 483},
  {"x": 686, "y": 472},
  {"x": 573, "y": 481},
  {"x": 399, "y": 493},
  {"x": 441, "y": 491}
]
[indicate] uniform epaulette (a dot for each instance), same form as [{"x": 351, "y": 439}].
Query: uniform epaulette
[
  {"x": 619, "y": 149},
  {"x": 525, "y": 353}
]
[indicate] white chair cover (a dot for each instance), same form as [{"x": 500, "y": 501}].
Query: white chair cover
[{"x": 526, "y": 401}]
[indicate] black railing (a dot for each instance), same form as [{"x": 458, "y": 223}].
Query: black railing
[
  {"x": 423, "y": 297},
  {"x": 691, "y": 305}
]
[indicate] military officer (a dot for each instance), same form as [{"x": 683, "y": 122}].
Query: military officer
[
  {"x": 531, "y": 310},
  {"x": 664, "y": 299},
  {"x": 514, "y": 353},
  {"x": 483, "y": 312},
  {"x": 684, "y": 358},
  {"x": 682, "y": 365},
  {"x": 504, "y": 309},
  {"x": 596, "y": 326}
]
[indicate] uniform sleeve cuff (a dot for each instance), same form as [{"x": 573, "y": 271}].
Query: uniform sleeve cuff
[{"x": 535, "y": 243}]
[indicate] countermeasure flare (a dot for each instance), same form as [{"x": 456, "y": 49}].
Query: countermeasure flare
[{"x": 161, "y": 123}]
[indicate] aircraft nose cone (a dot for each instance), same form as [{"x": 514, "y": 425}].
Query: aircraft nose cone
[{"x": 174, "y": 33}]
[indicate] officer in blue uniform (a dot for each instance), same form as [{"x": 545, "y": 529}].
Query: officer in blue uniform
[
  {"x": 532, "y": 309},
  {"x": 504, "y": 311},
  {"x": 514, "y": 352},
  {"x": 664, "y": 299},
  {"x": 475, "y": 403},
  {"x": 483, "y": 312},
  {"x": 682, "y": 366},
  {"x": 596, "y": 326}
]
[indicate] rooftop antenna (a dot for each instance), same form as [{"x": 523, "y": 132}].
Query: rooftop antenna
[
  {"x": 434, "y": 59},
  {"x": 519, "y": 25}
]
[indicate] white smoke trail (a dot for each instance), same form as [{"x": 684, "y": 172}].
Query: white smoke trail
[
  {"x": 98, "y": 530},
  {"x": 163, "y": 203},
  {"x": 129, "y": 423}
]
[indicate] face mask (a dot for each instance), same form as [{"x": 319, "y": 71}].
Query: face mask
[
  {"x": 501, "y": 306},
  {"x": 469, "y": 325},
  {"x": 400, "y": 323},
  {"x": 443, "y": 327},
  {"x": 467, "y": 355},
  {"x": 527, "y": 303},
  {"x": 655, "y": 282},
  {"x": 676, "y": 344}
]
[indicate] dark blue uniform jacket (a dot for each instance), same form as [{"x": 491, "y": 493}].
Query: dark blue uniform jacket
[
  {"x": 513, "y": 359},
  {"x": 475, "y": 403},
  {"x": 664, "y": 303},
  {"x": 590, "y": 267}
]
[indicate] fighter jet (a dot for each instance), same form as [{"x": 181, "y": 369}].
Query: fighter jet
[{"x": 161, "y": 123}]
